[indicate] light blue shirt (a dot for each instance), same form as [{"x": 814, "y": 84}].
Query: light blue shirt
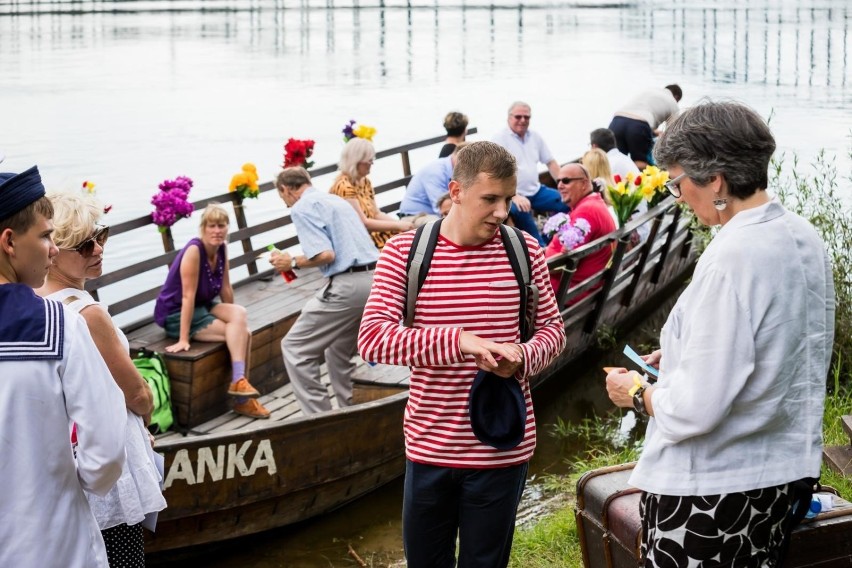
[
  {"x": 427, "y": 185},
  {"x": 327, "y": 222},
  {"x": 528, "y": 153}
]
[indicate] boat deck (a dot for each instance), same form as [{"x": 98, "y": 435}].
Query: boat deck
[{"x": 283, "y": 406}]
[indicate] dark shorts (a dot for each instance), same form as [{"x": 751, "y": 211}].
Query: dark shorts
[
  {"x": 634, "y": 138},
  {"x": 201, "y": 318}
]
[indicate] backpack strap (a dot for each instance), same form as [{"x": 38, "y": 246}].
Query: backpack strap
[
  {"x": 419, "y": 259},
  {"x": 519, "y": 258}
]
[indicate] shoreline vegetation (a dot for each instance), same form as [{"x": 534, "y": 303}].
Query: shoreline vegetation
[{"x": 811, "y": 193}]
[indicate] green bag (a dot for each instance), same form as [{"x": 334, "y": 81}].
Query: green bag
[{"x": 153, "y": 369}]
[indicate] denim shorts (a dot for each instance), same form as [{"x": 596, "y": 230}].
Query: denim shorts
[{"x": 201, "y": 318}]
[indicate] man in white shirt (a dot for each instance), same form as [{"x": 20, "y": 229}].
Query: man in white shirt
[
  {"x": 51, "y": 376},
  {"x": 529, "y": 150},
  {"x": 635, "y": 124},
  {"x": 619, "y": 163}
]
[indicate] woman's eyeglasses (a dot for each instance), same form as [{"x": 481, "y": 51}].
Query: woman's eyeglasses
[
  {"x": 87, "y": 247},
  {"x": 673, "y": 185}
]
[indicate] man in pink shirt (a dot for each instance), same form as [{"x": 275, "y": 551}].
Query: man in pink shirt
[{"x": 466, "y": 320}]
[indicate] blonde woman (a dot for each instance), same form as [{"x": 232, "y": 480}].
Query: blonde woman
[
  {"x": 81, "y": 242},
  {"x": 597, "y": 162},
  {"x": 353, "y": 185},
  {"x": 187, "y": 309}
]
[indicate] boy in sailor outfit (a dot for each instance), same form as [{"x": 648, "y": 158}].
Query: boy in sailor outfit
[{"x": 51, "y": 376}]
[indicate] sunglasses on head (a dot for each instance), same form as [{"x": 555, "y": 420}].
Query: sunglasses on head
[{"x": 87, "y": 247}]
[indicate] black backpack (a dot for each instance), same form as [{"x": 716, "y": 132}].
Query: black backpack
[{"x": 420, "y": 257}]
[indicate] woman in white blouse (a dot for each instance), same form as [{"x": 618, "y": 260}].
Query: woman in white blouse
[
  {"x": 734, "y": 440},
  {"x": 120, "y": 512}
]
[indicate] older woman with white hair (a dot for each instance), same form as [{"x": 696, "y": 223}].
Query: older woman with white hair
[
  {"x": 81, "y": 240},
  {"x": 353, "y": 185},
  {"x": 734, "y": 443}
]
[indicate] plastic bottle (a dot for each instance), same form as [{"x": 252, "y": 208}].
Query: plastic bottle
[
  {"x": 814, "y": 509},
  {"x": 287, "y": 275}
]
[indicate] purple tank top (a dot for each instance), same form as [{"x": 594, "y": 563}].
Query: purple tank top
[{"x": 209, "y": 283}]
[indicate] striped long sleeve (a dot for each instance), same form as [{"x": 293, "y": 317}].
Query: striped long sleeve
[{"x": 467, "y": 289}]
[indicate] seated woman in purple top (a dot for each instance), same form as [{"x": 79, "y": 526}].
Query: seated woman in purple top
[{"x": 187, "y": 310}]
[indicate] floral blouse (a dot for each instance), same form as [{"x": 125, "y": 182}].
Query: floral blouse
[{"x": 366, "y": 197}]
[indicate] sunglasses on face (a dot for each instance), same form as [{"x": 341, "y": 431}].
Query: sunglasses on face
[
  {"x": 566, "y": 181},
  {"x": 521, "y": 116},
  {"x": 87, "y": 247}
]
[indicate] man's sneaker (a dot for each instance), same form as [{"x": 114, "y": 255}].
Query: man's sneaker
[
  {"x": 251, "y": 408},
  {"x": 243, "y": 388}
]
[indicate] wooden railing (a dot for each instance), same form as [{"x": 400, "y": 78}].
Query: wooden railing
[{"x": 133, "y": 294}]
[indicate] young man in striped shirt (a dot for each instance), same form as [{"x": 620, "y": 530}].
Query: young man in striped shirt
[{"x": 466, "y": 318}]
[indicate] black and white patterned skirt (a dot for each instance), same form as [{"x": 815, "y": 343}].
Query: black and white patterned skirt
[{"x": 732, "y": 530}]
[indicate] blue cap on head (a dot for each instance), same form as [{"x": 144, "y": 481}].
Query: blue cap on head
[
  {"x": 498, "y": 411},
  {"x": 17, "y": 191}
]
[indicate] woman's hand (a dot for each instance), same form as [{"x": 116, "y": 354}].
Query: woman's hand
[
  {"x": 653, "y": 359},
  {"x": 618, "y": 383},
  {"x": 405, "y": 226},
  {"x": 522, "y": 203},
  {"x": 179, "y": 346}
]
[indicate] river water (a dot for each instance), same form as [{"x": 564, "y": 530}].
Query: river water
[{"x": 128, "y": 93}]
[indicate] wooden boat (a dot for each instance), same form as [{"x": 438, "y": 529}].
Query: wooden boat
[{"x": 227, "y": 475}]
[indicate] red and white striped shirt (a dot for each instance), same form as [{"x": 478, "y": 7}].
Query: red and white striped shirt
[{"x": 468, "y": 288}]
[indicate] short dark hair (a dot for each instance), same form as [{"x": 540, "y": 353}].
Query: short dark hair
[
  {"x": 292, "y": 177},
  {"x": 719, "y": 138},
  {"x": 676, "y": 91},
  {"x": 483, "y": 157},
  {"x": 455, "y": 123},
  {"x": 603, "y": 138},
  {"x": 21, "y": 221}
]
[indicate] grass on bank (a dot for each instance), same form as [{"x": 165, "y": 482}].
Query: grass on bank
[{"x": 553, "y": 542}]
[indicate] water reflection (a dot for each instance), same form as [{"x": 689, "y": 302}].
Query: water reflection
[{"x": 781, "y": 46}]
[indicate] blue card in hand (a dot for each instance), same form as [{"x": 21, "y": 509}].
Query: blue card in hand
[{"x": 633, "y": 356}]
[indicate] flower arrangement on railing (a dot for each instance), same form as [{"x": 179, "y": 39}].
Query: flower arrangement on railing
[
  {"x": 626, "y": 195},
  {"x": 171, "y": 202},
  {"x": 245, "y": 182},
  {"x": 570, "y": 235},
  {"x": 350, "y": 131},
  {"x": 298, "y": 152},
  {"x": 88, "y": 188}
]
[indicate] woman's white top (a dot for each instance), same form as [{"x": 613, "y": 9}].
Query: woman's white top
[
  {"x": 137, "y": 491},
  {"x": 746, "y": 351}
]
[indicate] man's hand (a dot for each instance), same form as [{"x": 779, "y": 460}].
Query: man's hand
[
  {"x": 486, "y": 353},
  {"x": 522, "y": 203},
  {"x": 282, "y": 261}
]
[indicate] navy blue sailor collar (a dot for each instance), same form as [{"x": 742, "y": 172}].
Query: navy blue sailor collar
[{"x": 31, "y": 328}]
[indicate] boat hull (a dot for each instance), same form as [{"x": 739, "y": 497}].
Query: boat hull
[{"x": 224, "y": 486}]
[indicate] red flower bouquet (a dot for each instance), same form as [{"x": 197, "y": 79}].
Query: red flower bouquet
[{"x": 298, "y": 153}]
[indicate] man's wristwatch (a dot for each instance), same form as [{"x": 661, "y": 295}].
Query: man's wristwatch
[{"x": 294, "y": 264}]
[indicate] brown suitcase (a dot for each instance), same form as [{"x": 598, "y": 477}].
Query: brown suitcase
[{"x": 609, "y": 528}]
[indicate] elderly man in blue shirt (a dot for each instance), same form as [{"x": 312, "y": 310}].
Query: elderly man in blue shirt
[
  {"x": 420, "y": 202},
  {"x": 334, "y": 239},
  {"x": 529, "y": 149}
]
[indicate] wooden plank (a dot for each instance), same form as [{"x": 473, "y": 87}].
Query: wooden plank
[
  {"x": 847, "y": 425},
  {"x": 839, "y": 459}
]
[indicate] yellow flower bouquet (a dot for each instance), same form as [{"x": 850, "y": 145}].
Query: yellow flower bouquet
[
  {"x": 245, "y": 182},
  {"x": 626, "y": 194}
]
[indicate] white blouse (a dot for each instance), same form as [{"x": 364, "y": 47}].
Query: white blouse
[
  {"x": 137, "y": 491},
  {"x": 746, "y": 351}
]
